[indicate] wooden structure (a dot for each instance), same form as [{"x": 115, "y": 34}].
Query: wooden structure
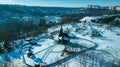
[
  {"x": 33, "y": 42},
  {"x": 63, "y": 37}
]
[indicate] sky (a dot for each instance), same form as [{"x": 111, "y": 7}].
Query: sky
[{"x": 62, "y": 3}]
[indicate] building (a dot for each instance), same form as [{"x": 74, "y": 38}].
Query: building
[
  {"x": 118, "y": 8},
  {"x": 93, "y": 7},
  {"x": 114, "y": 8},
  {"x": 63, "y": 37},
  {"x": 111, "y": 8}
]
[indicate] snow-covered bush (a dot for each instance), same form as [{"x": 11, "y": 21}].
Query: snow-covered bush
[
  {"x": 116, "y": 22},
  {"x": 110, "y": 27},
  {"x": 95, "y": 33},
  {"x": 94, "y": 21}
]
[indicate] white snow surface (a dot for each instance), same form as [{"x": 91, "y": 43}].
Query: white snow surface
[{"x": 49, "y": 51}]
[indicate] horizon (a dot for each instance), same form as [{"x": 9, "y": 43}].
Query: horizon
[
  {"x": 61, "y": 3},
  {"x": 57, "y": 6}
]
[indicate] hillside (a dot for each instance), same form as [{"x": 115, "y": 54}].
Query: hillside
[{"x": 92, "y": 44}]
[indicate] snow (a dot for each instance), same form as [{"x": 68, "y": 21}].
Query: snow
[
  {"x": 109, "y": 39},
  {"x": 47, "y": 51},
  {"x": 52, "y": 18},
  {"x": 73, "y": 64},
  {"x": 88, "y": 19}
]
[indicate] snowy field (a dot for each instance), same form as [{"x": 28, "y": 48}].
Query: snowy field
[{"x": 48, "y": 51}]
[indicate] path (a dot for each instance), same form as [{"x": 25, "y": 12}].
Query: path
[
  {"x": 50, "y": 48},
  {"x": 48, "y": 52},
  {"x": 73, "y": 55}
]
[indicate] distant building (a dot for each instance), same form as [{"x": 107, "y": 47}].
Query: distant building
[
  {"x": 93, "y": 7},
  {"x": 114, "y": 8},
  {"x": 118, "y": 8},
  {"x": 111, "y": 8}
]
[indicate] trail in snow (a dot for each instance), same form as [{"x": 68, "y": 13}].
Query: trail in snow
[
  {"x": 43, "y": 50},
  {"x": 21, "y": 52},
  {"x": 73, "y": 55},
  {"x": 48, "y": 52}
]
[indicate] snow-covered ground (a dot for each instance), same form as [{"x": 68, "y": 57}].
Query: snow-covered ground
[
  {"x": 52, "y": 19},
  {"x": 48, "y": 51}
]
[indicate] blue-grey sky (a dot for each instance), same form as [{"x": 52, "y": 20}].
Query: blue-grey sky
[{"x": 62, "y": 3}]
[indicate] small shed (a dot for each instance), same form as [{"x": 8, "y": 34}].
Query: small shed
[{"x": 33, "y": 42}]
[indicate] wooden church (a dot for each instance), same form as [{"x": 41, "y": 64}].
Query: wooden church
[{"x": 63, "y": 37}]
